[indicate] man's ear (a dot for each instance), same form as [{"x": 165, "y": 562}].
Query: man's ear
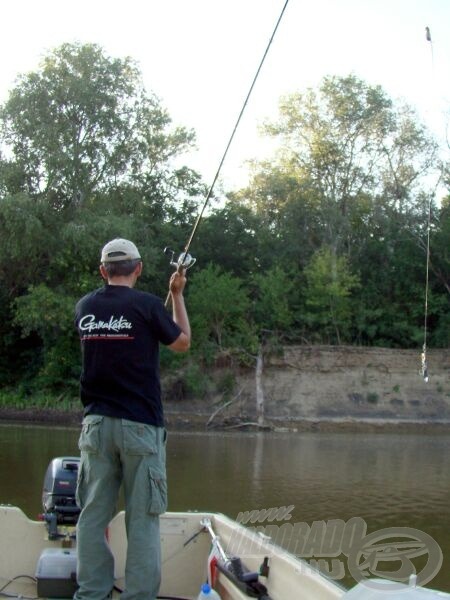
[
  {"x": 138, "y": 270},
  {"x": 103, "y": 272}
]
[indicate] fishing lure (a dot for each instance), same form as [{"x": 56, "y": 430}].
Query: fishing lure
[{"x": 424, "y": 364}]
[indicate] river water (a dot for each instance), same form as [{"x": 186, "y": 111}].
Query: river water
[{"x": 387, "y": 480}]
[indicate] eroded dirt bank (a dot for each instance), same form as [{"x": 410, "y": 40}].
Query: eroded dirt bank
[
  {"x": 328, "y": 387},
  {"x": 317, "y": 388}
]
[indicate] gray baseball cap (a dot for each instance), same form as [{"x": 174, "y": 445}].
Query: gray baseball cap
[{"x": 119, "y": 249}]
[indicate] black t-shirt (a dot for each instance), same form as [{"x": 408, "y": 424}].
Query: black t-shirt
[{"x": 120, "y": 329}]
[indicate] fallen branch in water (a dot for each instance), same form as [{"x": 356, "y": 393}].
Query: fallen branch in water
[
  {"x": 222, "y": 407},
  {"x": 248, "y": 424}
]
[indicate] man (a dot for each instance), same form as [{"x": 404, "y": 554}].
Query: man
[{"x": 123, "y": 437}]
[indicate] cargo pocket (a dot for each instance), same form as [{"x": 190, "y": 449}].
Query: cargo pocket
[
  {"x": 158, "y": 492},
  {"x": 89, "y": 440},
  {"x": 139, "y": 439}
]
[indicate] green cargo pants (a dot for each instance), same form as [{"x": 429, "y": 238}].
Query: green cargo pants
[{"x": 116, "y": 452}]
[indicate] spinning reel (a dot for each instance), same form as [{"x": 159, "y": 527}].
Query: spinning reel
[{"x": 184, "y": 261}]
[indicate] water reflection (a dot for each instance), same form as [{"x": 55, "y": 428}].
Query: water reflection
[{"x": 388, "y": 480}]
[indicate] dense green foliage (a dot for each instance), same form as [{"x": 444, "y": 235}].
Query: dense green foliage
[{"x": 327, "y": 244}]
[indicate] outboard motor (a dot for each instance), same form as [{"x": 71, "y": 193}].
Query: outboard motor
[
  {"x": 58, "y": 495},
  {"x": 57, "y": 566}
]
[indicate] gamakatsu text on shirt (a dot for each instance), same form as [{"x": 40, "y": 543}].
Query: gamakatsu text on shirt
[{"x": 88, "y": 323}]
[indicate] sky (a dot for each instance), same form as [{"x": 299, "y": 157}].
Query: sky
[{"x": 200, "y": 56}]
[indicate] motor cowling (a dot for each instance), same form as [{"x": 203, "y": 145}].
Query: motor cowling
[{"x": 59, "y": 490}]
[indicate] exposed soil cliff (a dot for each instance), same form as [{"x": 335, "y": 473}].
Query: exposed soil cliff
[{"x": 320, "y": 386}]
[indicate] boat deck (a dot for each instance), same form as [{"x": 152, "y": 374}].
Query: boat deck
[{"x": 186, "y": 546}]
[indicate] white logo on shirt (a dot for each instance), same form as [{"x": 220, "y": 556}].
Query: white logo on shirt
[{"x": 88, "y": 323}]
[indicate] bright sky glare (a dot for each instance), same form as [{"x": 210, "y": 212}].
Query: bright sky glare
[{"x": 200, "y": 56}]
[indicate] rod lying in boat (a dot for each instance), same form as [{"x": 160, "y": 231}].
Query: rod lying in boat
[{"x": 232, "y": 567}]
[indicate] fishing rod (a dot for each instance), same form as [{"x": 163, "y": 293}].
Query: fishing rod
[
  {"x": 246, "y": 581},
  {"x": 185, "y": 260}
]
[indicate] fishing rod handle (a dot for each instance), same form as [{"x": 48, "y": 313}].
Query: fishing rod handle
[{"x": 180, "y": 269}]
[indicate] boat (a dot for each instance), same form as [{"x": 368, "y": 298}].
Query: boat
[{"x": 38, "y": 557}]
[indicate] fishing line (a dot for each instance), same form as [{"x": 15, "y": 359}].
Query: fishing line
[
  {"x": 185, "y": 260},
  {"x": 427, "y": 268},
  {"x": 425, "y": 325}
]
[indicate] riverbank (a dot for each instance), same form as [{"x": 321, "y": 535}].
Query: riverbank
[
  {"x": 331, "y": 388},
  {"x": 309, "y": 388},
  {"x": 198, "y": 422}
]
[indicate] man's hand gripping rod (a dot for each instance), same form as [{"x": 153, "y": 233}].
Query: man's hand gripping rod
[{"x": 184, "y": 262}]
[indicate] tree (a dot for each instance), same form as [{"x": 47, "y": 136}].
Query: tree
[
  {"x": 330, "y": 284},
  {"x": 440, "y": 245},
  {"x": 228, "y": 237},
  {"x": 29, "y": 234},
  {"x": 440, "y": 270},
  {"x": 287, "y": 212},
  {"x": 347, "y": 141},
  {"x": 273, "y": 292},
  {"x": 48, "y": 312},
  {"x": 83, "y": 122},
  {"x": 220, "y": 309},
  {"x": 351, "y": 175}
]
